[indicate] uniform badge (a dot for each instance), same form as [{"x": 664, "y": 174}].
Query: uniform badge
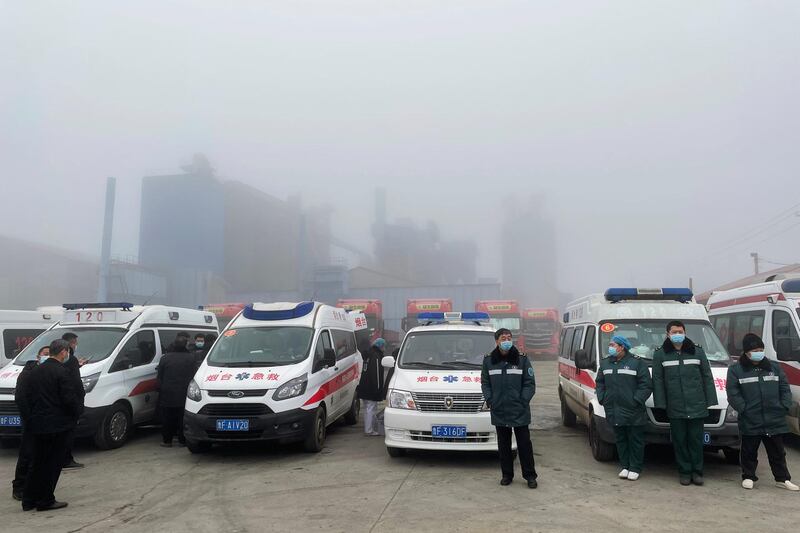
[{"x": 530, "y": 371}]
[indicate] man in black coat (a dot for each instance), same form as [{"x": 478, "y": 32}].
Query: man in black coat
[
  {"x": 73, "y": 366},
  {"x": 25, "y": 457},
  {"x": 370, "y": 388},
  {"x": 175, "y": 370},
  {"x": 54, "y": 408}
]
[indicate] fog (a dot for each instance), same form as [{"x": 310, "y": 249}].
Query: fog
[{"x": 663, "y": 137}]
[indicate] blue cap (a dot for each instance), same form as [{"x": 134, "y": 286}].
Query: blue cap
[
  {"x": 379, "y": 342},
  {"x": 622, "y": 341}
]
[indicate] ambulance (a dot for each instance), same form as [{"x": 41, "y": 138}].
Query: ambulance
[
  {"x": 434, "y": 396},
  {"x": 640, "y": 315},
  {"x": 280, "y": 371},
  {"x": 771, "y": 310},
  {"x": 122, "y": 344},
  {"x": 19, "y": 328}
]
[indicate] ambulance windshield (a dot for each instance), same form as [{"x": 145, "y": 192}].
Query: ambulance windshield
[
  {"x": 94, "y": 344},
  {"x": 646, "y": 336},
  {"x": 446, "y": 349},
  {"x": 267, "y": 346}
]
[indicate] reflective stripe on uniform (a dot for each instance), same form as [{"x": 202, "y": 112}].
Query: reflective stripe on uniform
[
  {"x": 626, "y": 371},
  {"x": 691, "y": 361},
  {"x": 514, "y": 371},
  {"x": 748, "y": 380},
  {"x": 670, "y": 363},
  {"x": 772, "y": 378},
  {"x": 608, "y": 371},
  {"x": 495, "y": 372}
]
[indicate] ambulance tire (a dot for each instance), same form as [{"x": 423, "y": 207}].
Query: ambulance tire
[
  {"x": 568, "y": 418},
  {"x": 396, "y": 452},
  {"x": 601, "y": 450},
  {"x": 198, "y": 446},
  {"x": 351, "y": 417},
  {"x": 315, "y": 439},
  {"x": 115, "y": 428},
  {"x": 731, "y": 456}
]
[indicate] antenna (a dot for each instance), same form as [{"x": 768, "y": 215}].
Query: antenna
[{"x": 150, "y": 297}]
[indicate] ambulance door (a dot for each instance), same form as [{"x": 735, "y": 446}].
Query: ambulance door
[
  {"x": 321, "y": 375},
  {"x": 135, "y": 366},
  {"x": 347, "y": 375}
]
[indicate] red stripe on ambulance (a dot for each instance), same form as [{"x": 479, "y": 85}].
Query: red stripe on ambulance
[
  {"x": 143, "y": 387},
  {"x": 576, "y": 374},
  {"x": 331, "y": 386}
]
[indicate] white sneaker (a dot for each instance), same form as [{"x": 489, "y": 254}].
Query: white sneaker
[
  {"x": 747, "y": 484},
  {"x": 633, "y": 476},
  {"x": 788, "y": 485},
  {"x": 624, "y": 474}
]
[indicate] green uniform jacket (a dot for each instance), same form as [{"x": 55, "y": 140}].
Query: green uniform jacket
[
  {"x": 508, "y": 385},
  {"x": 623, "y": 386},
  {"x": 761, "y": 395},
  {"x": 682, "y": 381}
]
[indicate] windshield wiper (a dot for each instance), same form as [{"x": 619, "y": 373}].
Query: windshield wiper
[
  {"x": 461, "y": 364},
  {"x": 420, "y": 364},
  {"x": 248, "y": 364}
]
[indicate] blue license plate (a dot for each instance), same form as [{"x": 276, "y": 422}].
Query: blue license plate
[
  {"x": 449, "y": 432},
  {"x": 10, "y": 421},
  {"x": 233, "y": 424}
]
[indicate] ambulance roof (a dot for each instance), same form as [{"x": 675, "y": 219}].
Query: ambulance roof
[
  {"x": 297, "y": 314},
  {"x": 756, "y": 293},
  {"x": 124, "y": 314},
  {"x": 28, "y": 317},
  {"x": 451, "y": 327},
  {"x": 597, "y": 308}
]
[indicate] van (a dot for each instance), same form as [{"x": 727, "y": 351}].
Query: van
[
  {"x": 19, "y": 328},
  {"x": 280, "y": 371},
  {"x": 434, "y": 396},
  {"x": 771, "y": 310},
  {"x": 122, "y": 345},
  {"x": 640, "y": 315}
]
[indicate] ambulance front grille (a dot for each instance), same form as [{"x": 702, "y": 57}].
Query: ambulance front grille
[
  {"x": 235, "y": 409},
  {"x": 713, "y": 418},
  {"x": 8, "y": 408},
  {"x": 426, "y": 436},
  {"x": 430, "y": 402},
  {"x": 9, "y": 392}
]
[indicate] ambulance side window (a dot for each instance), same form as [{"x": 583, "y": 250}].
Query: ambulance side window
[
  {"x": 566, "y": 343},
  {"x": 722, "y": 325},
  {"x": 742, "y": 324},
  {"x": 576, "y": 343},
  {"x": 589, "y": 343},
  {"x": 345, "y": 343},
  {"x": 784, "y": 337},
  {"x": 323, "y": 342},
  {"x": 138, "y": 350}
]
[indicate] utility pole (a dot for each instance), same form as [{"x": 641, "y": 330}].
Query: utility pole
[
  {"x": 105, "y": 252},
  {"x": 754, "y": 255}
]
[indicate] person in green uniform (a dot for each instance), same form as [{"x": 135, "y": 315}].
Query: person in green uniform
[
  {"x": 623, "y": 386},
  {"x": 683, "y": 385},
  {"x": 758, "y": 390}
]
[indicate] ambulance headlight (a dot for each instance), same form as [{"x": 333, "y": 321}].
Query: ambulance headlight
[
  {"x": 731, "y": 415},
  {"x": 400, "y": 399},
  {"x": 292, "y": 388},
  {"x": 193, "y": 392},
  {"x": 90, "y": 381}
]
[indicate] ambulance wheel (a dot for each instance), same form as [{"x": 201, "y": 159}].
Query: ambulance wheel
[
  {"x": 351, "y": 417},
  {"x": 731, "y": 456},
  {"x": 198, "y": 446},
  {"x": 396, "y": 452},
  {"x": 315, "y": 439},
  {"x": 601, "y": 450},
  {"x": 568, "y": 418},
  {"x": 115, "y": 428}
]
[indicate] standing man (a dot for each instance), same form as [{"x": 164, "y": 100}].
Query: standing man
[
  {"x": 25, "y": 456},
  {"x": 55, "y": 407},
  {"x": 758, "y": 390},
  {"x": 200, "y": 348},
  {"x": 370, "y": 388},
  {"x": 175, "y": 370},
  {"x": 508, "y": 387},
  {"x": 684, "y": 386},
  {"x": 623, "y": 387},
  {"x": 73, "y": 366}
]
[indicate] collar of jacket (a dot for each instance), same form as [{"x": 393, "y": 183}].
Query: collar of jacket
[
  {"x": 512, "y": 357},
  {"x": 687, "y": 347},
  {"x": 747, "y": 364}
]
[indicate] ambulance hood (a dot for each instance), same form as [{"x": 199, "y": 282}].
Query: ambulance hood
[
  {"x": 437, "y": 380},
  {"x": 230, "y": 378},
  {"x": 720, "y": 377}
]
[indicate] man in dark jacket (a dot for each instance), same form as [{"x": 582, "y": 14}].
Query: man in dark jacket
[
  {"x": 508, "y": 386},
  {"x": 55, "y": 407},
  {"x": 370, "y": 388},
  {"x": 175, "y": 370},
  {"x": 73, "y": 366},
  {"x": 684, "y": 385},
  {"x": 623, "y": 386},
  {"x": 758, "y": 390},
  {"x": 25, "y": 456}
]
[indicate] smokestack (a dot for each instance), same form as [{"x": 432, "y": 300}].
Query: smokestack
[{"x": 105, "y": 252}]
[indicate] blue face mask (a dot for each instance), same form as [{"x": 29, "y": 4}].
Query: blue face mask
[
  {"x": 756, "y": 356},
  {"x": 506, "y": 345},
  {"x": 677, "y": 338},
  {"x": 199, "y": 344},
  {"x": 612, "y": 351}
]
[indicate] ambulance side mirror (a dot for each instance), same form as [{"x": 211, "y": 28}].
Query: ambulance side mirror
[
  {"x": 329, "y": 358},
  {"x": 387, "y": 361},
  {"x": 582, "y": 360}
]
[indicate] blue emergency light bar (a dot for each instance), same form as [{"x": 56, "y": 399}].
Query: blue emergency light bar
[
  {"x": 452, "y": 317},
  {"x": 300, "y": 310},
  {"x": 125, "y": 306},
  {"x": 681, "y": 295}
]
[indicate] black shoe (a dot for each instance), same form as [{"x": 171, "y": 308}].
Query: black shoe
[
  {"x": 686, "y": 481},
  {"x": 697, "y": 479},
  {"x": 506, "y": 481},
  {"x": 166, "y": 445},
  {"x": 73, "y": 464},
  {"x": 52, "y": 507},
  {"x": 16, "y": 494},
  {"x": 28, "y": 507},
  {"x": 532, "y": 484}
]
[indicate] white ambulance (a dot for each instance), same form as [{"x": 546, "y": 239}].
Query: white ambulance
[
  {"x": 640, "y": 315},
  {"x": 279, "y": 371},
  {"x": 19, "y": 328},
  {"x": 122, "y": 345},
  {"x": 435, "y": 400},
  {"x": 771, "y": 310}
]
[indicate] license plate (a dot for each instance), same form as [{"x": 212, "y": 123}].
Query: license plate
[
  {"x": 233, "y": 424},
  {"x": 449, "y": 432},
  {"x": 10, "y": 421},
  {"x": 706, "y": 438}
]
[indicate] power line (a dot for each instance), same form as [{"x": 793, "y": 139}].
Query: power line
[{"x": 742, "y": 239}]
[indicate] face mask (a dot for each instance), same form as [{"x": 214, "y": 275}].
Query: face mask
[
  {"x": 199, "y": 344},
  {"x": 677, "y": 338},
  {"x": 756, "y": 356},
  {"x": 41, "y": 359},
  {"x": 506, "y": 345},
  {"x": 612, "y": 351}
]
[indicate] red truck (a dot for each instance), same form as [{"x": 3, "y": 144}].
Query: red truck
[
  {"x": 504, "y": 314},
  {"x": 541, "y": 329},
  {"x": 415, "y": 307}
]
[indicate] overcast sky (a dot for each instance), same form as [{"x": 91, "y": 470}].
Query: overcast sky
[{"x": 662, "y": 133}]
